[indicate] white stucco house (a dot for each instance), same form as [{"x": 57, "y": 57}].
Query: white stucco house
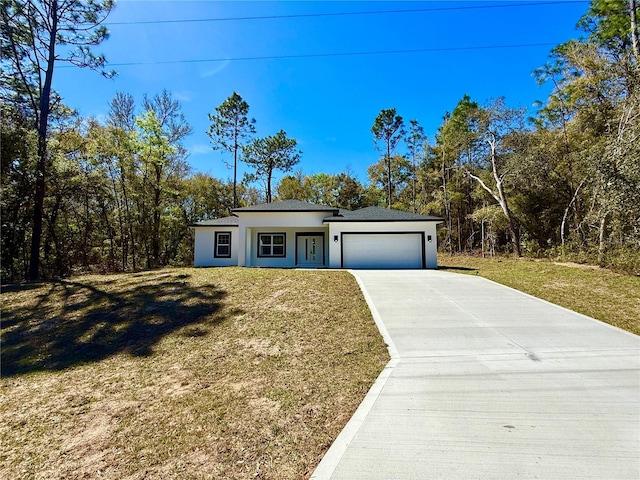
[{"x": 293, "y": 233}]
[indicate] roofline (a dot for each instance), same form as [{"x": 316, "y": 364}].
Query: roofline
[
  {"x": 218, "y": 225},
  {"x": 194, "y": 225},
  {"x": 356, "y": 220},
  {"x": 248, "y": 209}
]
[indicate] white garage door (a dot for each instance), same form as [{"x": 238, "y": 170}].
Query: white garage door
[{"x": 382, "y": 250}]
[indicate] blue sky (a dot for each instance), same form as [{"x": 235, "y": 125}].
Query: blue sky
[{"x": 327, "y": 103}]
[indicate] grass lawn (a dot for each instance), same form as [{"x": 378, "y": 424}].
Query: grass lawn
[
  {"x": 610, "y": 297},
  {"x": 182, "y": 373}
]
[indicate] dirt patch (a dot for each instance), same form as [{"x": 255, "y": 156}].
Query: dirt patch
[
  {"x": 264, "y": 406},
  {"x": 173, "y": 382},
  {"x": 582, "y": 266},
  {"x": 261, "y": 347}
]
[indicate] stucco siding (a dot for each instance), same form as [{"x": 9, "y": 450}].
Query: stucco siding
[
  {"x": 204, "y": 247},
  {"x": 253, "y": 223},
  {"x": 281, "y": 219},
  {"x": 289, "y": 260}
]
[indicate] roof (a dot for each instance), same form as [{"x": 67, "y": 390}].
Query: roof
[
  {"x": 287, "y": 206},
  {"x": 367, "y": 214},
  {"x": 377, "y": 214},
  {"x": 218, "y": 222}
]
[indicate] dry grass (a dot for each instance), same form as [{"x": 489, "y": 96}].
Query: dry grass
[
  {"x": 599, "y": 293},
  {"x": 185, "y": 373}
]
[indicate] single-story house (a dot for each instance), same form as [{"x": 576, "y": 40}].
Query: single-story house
[{"x": 293, "y": 233}]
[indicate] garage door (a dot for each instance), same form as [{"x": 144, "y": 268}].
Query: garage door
[{"x": 382, "y": 250}]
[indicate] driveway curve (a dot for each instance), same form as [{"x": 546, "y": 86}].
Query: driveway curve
[{"x": 486, "y": 382}]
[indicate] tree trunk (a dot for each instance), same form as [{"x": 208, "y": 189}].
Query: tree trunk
[
  {"x": 269, "y": 175},
  {"x": 459, "y": 231},
  {"x": 482, "y": 235},
  {"x": 601, "y": 239},
  {"x": 235, "y": 170},
  {"x": 635, "y": 43},
  {"x": 415, "y": 171},
  {"x": 116, "y": 197},
  {"x": 388, "y": 176},
  {"x": 52, "y": 237},
  {"x": 566, "y": 211},
  {"x": 43, "y": 124},
  {"x": 38, "y": 209},
  {"x": 129, "y": 227},
  {"x": 87, "y": 224},
  {"x": 500, "y": 197},
  {"x": 447, "y": 207},
  {"x": 515, "y": 238},
  {"x": 155, "y": 236}
]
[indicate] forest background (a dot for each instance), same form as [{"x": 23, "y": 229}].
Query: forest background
[{"x": 117, "y": 194}]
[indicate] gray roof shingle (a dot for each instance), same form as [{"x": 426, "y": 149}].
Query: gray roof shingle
[
  {"x": 218, "y": 222},
  {"x": 287, "y": 206},
  {"x": 377, "y": 214}
]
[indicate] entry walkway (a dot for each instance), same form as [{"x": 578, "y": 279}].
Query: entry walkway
[{"x": 489, "y": 383}]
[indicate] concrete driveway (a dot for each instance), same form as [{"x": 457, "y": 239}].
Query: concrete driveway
[{"x": 489, "y": 383}]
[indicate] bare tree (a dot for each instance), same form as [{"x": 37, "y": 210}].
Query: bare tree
[{"x": 499, "y": 124}]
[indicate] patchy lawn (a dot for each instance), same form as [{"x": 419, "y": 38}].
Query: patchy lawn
[
  {"x": 610, "y": 297},
  {"x": 182, "y": 373}
]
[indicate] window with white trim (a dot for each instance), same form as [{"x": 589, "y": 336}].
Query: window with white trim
[
  {"x": 271, "y": 244},
  {"x": 223, "y": 245}
]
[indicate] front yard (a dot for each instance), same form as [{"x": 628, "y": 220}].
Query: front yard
[{"x": 182, "y": 373}]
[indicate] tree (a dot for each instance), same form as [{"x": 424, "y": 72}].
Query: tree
[
  {"x": 322, "y": 188},
  {"x": 269, "y": 154},
  {"x": 161, "y": 161},
  {"x": 415, "y": 142},
  {"x": 18, "y": 145},
  {"x": 293, "y": 187},
  {"x": 32, "y": 32},
  {"x": 350, "y": 192},
  {"x": 229, "y": 128},
  {"x": 388, "y": 130},
  {"x": 612, "y": 24},
  {"x": 498, "y": 126},
  {"x": 595, "y": 102},
  {"x": 457, "y": 139},
  {"x": 119, "y": 158},
  {"x": 400, "y": 174}
]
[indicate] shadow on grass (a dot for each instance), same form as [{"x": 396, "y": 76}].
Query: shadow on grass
[
  {"x": 460, "y": 269},
  {"x": 72, "y": 323}
]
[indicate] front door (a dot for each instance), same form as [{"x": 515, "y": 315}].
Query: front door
[{"x": 310, "y": 250}]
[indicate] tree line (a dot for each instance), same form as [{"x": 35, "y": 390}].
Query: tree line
[
  {"x": 81, "y": 194},
  {"x": 565, "y": 182}
]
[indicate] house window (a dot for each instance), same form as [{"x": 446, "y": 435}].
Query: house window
[
  {"x": 271, "y": 244},
  {"x": 223, "y": 245}
]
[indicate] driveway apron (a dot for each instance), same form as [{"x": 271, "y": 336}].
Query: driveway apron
[{"x": 489, "y": 383}]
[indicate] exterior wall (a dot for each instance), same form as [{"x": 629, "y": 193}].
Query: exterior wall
[
  {"x": 337, "y": 228},
  {"x": 244, "y": 238},
  {"x": 252, "y": 223},
  {"x": 289, "y": 260},
  {"x": 204, "y": 247}
]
